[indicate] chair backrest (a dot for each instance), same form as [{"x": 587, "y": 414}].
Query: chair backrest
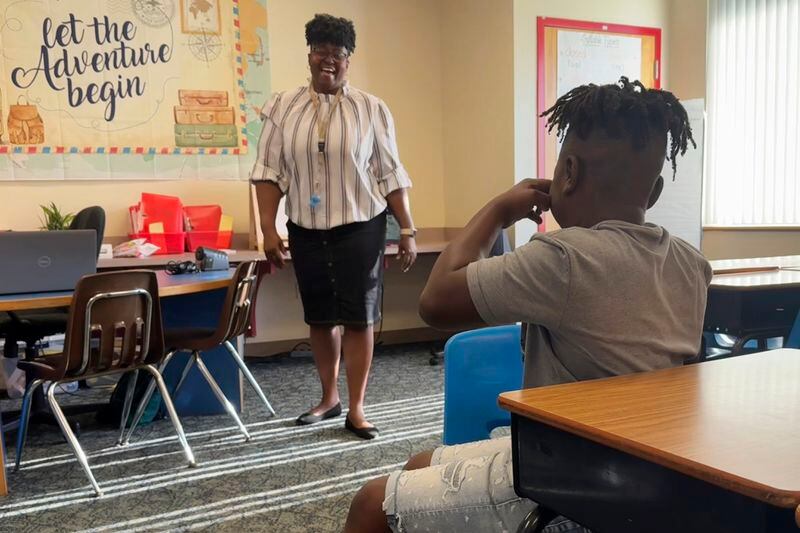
[
  {"x": 478, "y": 366},
  {"x": 114, "y": 323},
  {"x": 793, "y": 340},
  {"x": 91, "y": 218},
  {"x": 239, "y": 299}
]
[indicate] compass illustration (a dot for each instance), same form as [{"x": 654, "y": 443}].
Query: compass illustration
[
  {"x": 205, "y": 46},
  {"x": 154, "y": 13}
]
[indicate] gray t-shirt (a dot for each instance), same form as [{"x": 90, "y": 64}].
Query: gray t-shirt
[{"x": 612, "y": 299}]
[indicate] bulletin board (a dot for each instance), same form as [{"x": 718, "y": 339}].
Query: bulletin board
[
  {"x": 572, "y": 53},
  {"x": 121, "y": 89}
]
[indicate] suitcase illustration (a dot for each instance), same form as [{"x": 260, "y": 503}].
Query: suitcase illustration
[
  {"x": 206, "y": 135},
  {"x": 188, "y": 97},
  {"x": 204, "y": 115}
]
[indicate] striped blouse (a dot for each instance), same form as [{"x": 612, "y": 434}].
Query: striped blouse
[{"x": 346, "y": 178}]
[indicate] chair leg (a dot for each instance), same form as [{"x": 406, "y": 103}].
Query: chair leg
[
  {"x": 146, "y": 399},
  {"x": 184, "y": 373},
  {"x": 173, "y": 415},
  {"x": 73, "y": 442},
  {"x": 24, "y": 416},
  {"x": 219, "y": 394},
  {"x": 536, "y": 520},
  {"x": 249, "y": 376},
  {"x": 126, "y": 408}
]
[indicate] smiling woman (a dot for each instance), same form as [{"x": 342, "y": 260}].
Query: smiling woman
[{"x": 331, "y": 149}]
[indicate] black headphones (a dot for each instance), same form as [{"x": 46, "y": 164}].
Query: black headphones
[{"x": 183, "y": 267}]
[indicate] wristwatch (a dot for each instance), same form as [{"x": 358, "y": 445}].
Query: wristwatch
[{"x": 408, "y": 232}]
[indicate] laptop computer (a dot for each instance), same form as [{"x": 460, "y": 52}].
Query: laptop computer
[{"x": 45, "y": 261}]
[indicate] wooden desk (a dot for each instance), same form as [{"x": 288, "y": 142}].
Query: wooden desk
[
  {"x": 160, "y": 261},
  {"x": 167, "y": 286},
  {"x": 754, "y": 305},
  {"x": 722, "y": 266},
  {"x": 707, "y": 447}
]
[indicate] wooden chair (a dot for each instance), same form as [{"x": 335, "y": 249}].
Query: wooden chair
[
  {"x": 113, "y": 326},
  {"x": 233, "y": 321}
]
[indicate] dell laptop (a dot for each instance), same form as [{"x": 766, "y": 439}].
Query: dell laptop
[{"x": 45, "y": 261}]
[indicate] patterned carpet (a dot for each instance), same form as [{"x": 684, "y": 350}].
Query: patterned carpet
[{"x": 287, "y": 479}]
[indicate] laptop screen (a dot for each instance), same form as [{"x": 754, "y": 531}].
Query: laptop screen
[{"x": 45, "y": 261}]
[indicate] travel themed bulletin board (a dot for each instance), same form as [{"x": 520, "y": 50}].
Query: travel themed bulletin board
[
  {"x": 572, "y": 53},
  {"x": 131, "y": 89}
]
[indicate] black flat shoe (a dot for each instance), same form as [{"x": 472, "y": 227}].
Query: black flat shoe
[
  {"x": 362, "y": 433},
  {"x": 307, "y": 418}
]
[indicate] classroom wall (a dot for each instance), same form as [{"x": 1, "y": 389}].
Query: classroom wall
[
  {"x": 686, "y": 44},
  {"x": 398, "y": 58},
  {"x": 478, "y": 104}
]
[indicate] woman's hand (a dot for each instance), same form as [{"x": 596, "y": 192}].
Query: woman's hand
[
  {"x": 527, "y": 199},
  {"x": 274, "y": 248},
  {"x": 407, "y": 252}
]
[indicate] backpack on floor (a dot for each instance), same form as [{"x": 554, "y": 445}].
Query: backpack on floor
[{"x": 111, "y": 414}]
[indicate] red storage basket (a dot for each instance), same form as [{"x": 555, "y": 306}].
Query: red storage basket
[
  {"x": 208, "y": 239},
  {"x": 168, "y": 243}
]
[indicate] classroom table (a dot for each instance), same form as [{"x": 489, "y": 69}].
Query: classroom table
[
  {"x": 712, "y": 447},
  {"x": 187, "y": 300},
  {"x": 753, "y": 299}
]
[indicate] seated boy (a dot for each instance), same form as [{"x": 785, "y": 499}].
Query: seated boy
[{"x": 606, "y": 295}]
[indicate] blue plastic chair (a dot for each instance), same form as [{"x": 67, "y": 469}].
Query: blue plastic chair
[
  {"x": 793, "y": 340},
  {"x": 478, "y": 366}
]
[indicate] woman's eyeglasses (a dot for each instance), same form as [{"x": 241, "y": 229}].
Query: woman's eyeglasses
[{"x": 337, "y": 55}]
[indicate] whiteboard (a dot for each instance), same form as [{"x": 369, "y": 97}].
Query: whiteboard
[
  {"x": 590, "y": 57},
  {"x": 680, "y": 208}
]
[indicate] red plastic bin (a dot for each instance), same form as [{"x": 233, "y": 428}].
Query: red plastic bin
[
  {"x": 208, "y": 239},
  {"x": 168, "y": 243}
]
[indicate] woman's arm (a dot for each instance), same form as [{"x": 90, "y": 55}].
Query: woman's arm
[
  {"x": 399, "y": 205},
  {"x": 268, "y": 195}
]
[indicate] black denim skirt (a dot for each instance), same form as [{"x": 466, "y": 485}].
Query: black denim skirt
[{"x": 340, "y": 272}]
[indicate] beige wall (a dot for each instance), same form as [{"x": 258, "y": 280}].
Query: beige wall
[
  {"x": 478, "y": 103},
  {"x": 686, "y": 44}
]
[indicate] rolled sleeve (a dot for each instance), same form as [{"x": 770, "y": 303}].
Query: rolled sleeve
[
  {"x": 269, "y": 164},
  {"x": 385, "y": 160},
  {"x": 530, "y": 284}
]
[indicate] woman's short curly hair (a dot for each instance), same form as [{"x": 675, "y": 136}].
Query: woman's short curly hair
[{"x": 327, "y": 29}]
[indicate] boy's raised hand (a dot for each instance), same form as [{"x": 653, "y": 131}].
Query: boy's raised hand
[{"x": 527, "y": 199}]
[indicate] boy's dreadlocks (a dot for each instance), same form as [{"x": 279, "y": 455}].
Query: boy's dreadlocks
[{"x": 625, "y": 109}]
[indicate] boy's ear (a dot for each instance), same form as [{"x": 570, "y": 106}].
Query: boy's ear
[
  {"x": 572, "y": 171},
  {"x": 655, "y": 193}
]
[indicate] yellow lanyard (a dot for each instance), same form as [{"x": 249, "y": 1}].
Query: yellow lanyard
[{"x": 322, "y": 123}]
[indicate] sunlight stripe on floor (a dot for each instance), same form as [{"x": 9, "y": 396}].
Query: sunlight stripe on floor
[{"x": 202, "y": 472}]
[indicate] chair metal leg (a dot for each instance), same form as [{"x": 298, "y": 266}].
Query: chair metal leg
[
  {"x": 146, "y": 399},
  {"x": 24, "y": 416},
  {"x": 249, "y": 376},
  {"x": 126, "y": 408},
  {"x": 536, "y": 520},
  {"x": 219, "y": 394},
  {"x": 73, "y": 442},
  {"x": 173, "y": 415},
  {"x": 184, "y": 373}
]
